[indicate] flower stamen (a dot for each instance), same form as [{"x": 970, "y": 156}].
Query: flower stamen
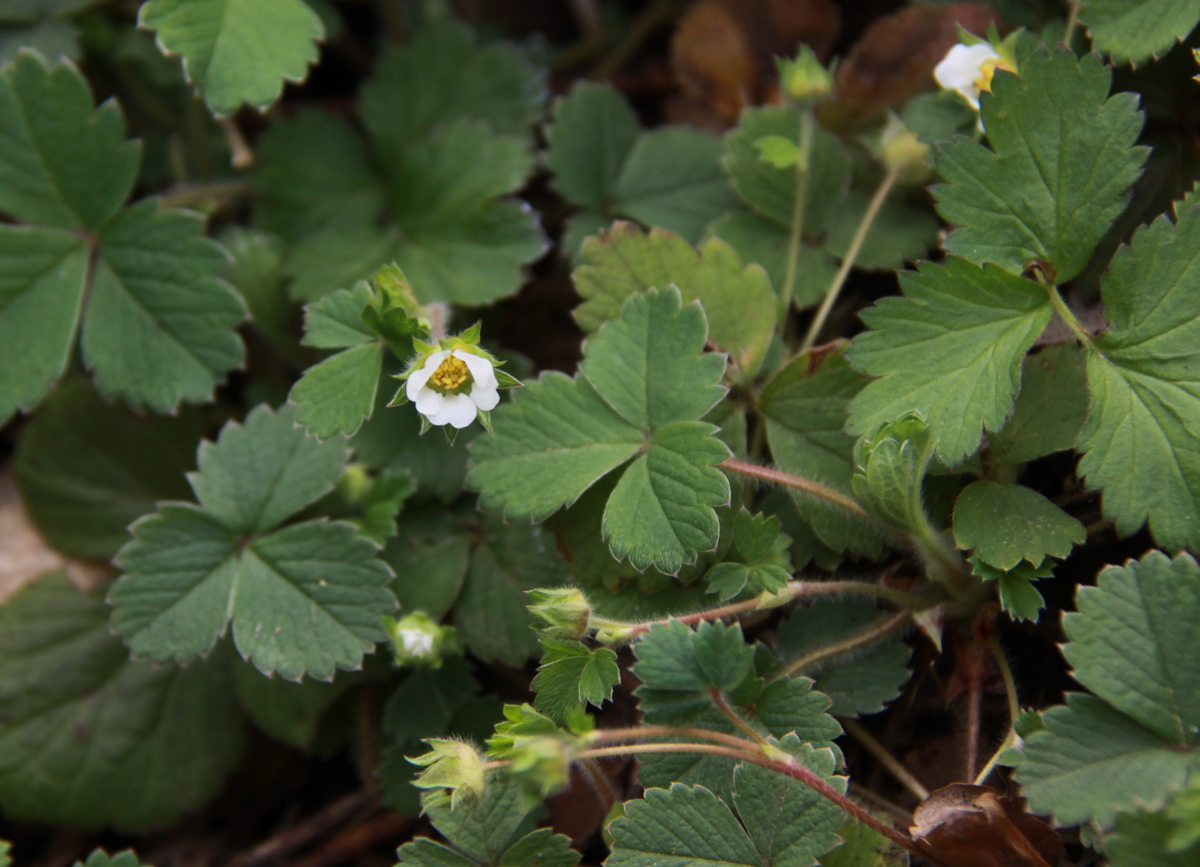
[{"x": 451, "y": 374}]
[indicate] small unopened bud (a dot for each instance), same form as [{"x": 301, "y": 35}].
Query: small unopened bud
[
  {"x": 900, "y": 147},
  {"x": 614, "y": 633},
  {"x": 541, "y": 767},
  {"x": 565, "y": 610},
  {"x": 418, "y": 640},
  {"x": 455, "y": 768},
  {"x": 804, "y": 78}
]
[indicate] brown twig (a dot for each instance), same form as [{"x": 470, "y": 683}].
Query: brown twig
[
  {"x": 346, "y": 845},
  {"x": 305, "y": 832}
]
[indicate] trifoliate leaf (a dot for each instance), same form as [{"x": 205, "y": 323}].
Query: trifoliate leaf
[
  {"x": 771, "y": 191},
  {"x": 491, "y": 614},
  {"x": 90, "y": 738},
  {"x": 1134, "y": 31},
  {"x": 806, "y": 408},
  {"x": 572, "y": 674},
  {"x": 950, "y": 348},
  {"x": 88, "y": 469},
  {"x": 1058, "y": 171},
  {"x": 647, "y": 364},
  {"x": 1133, "y": 742},
  {"x": 341, "y": 188},
  {"x": 1139, "y": 442},
  {"x": 443, "y": 74},
  {"x": 306, "y": 599},
  {"x": 259, "y": 473},
  {"x": 62, "y": 164},
  {"x": 790, "y": 824},
  {"x": 861, "y": 682},
  {"x": 643, "y": 380},
  {"x": 669, "y": 178},
  {"x": 680, "y": 827},
  {"x": 765, "y": 566},
  {"x": 159, "y": 327},
  {"x": 1008, "y": 523},
  {"x": 237, "y": 51},
  {"x": 1050, "y": 409},
  {"x": 737, "y": 299}
]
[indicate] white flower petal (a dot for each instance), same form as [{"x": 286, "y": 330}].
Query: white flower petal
[
  {"x": 457, "y": 409},
  {"x": 417, "y": 379},
  {"x": 416, "y": 642},
  {"x": 962, "y": 67},
  {"x": 481, "y": 369},
  {"x": 485, "y": 398},
  {"x": 428, "y": 402}
]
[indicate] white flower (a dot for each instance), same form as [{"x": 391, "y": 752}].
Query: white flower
[
  {"x": 434, "y": 387},
  {"x": 416, "y": 642},
  {"x": 968, "y": 69}
]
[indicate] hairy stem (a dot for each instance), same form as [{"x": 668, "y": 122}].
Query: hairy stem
[
  {"x": 241, "y": 155},
  {"x": 867, "y": 636},
  {"x": 902, "y": 774},
  {"x": 1014, "y": 706},
  {"x": 797, "y": 236},
  {"x": 638, "y": 733},
  {"x": 860, "y": 235},
  {"x": 799, "y": 483},
  {"x": 734, "y": 717}
]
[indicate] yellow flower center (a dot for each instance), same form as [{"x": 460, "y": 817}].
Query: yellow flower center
[
  {"x": 451, "y": 373},
  {"x": 987, "y": 70}
]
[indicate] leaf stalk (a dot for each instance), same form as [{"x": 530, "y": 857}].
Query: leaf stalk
[{"x": 797, "y": 236}]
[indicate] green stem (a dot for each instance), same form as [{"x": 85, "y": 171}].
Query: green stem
[
  {"x": 860, "y": 235},
  {"x": 643, "y": 732},
  {"x": 868, "y": 636},
  {"x": 799, "y": 483},
  {"x": 1072, "y": 21},
  {"x": 1014, "y": 706},
  {"x": 1065, "y": 313},
  {"x": 736, "y": 718},
  {"x": 188, "y": 195},
  {"x": 797, "y": 236}
]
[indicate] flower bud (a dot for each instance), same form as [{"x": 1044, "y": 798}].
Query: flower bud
[
  {"x": 418, "y": 640},
  {"x": 805, "y": 78},
  {"x": 455, "y": 768},
  {"x": 564, "y": 609},
  {"x": 541, "y": 767},
  {"x": 900, "y": 147}
]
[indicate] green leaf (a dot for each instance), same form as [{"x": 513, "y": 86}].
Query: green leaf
[
  {"x": 861, "y": 682},
  {"x": 780, "y": 152},
  {"x": 680, "y": 827},
  {"x": 674, "y": 658},
  {"x": 259, "y": 473},
  {"x": 341, "y": 188},
  {"x": 1139, "y": 442},
  {"x": 1125, "y": 640},
  {"x": 1134, "y": 741},
  {"x": 950, "y": 348},
  {"x": 87, "y": 469},
  {"x": 62, "y": 163},
  {"x": 661, "y": 512},
  {"x": 1093, "y": 761},
  {"x": 900, "y": 232},
  {"x": 1142, "y": 839},
  {"x": 889, "y": 473},
  {"x": 765, "y": 566},
  {"x": 643, "y": 379},
  {"x": 491, "y": 614},
  {"x": 1134, "y": 31},
  {"x": 541, "y": 848},
  {"x": 443, "y": 75},
  {"x": 771, "y": 191},
  {"x": 757, "y": 239},
  {"x": 588, "y": 142},
  {"x": 790, "y": 824},
  {"x": 90, "y": 738},
  {"x": 863, "y": 847},
  {"x": 1058, "y": 171},
  {"x": 649, "y": 365},
  {"x": 1019, "y": 597},
  {"x": 256, "y": 272},
  {"x": 43, "y": 274},
  {"x": 805, "y": 406},
  {"x": 338, "y": 394},
  {"x": 1050, "y": 409},
  {"x": 487, "y": 829},
  {"x": 327, "y": 260},
  {"x": 100, "y": 858},
  {"x": 571, "y": 674},
  {"x": 306, "y": 599},
  {"x": 159, "y": 327},
  {"x": 737, "y": 299},
  {"x": 430, "y": 560},
  {"x": 669, "y": 178},
  {"x": 1008, "y": 523},
  {"x": 54, "y": 39},
  {"x": 424, "y": 703},
  {"x": 237, "y": 51}
]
